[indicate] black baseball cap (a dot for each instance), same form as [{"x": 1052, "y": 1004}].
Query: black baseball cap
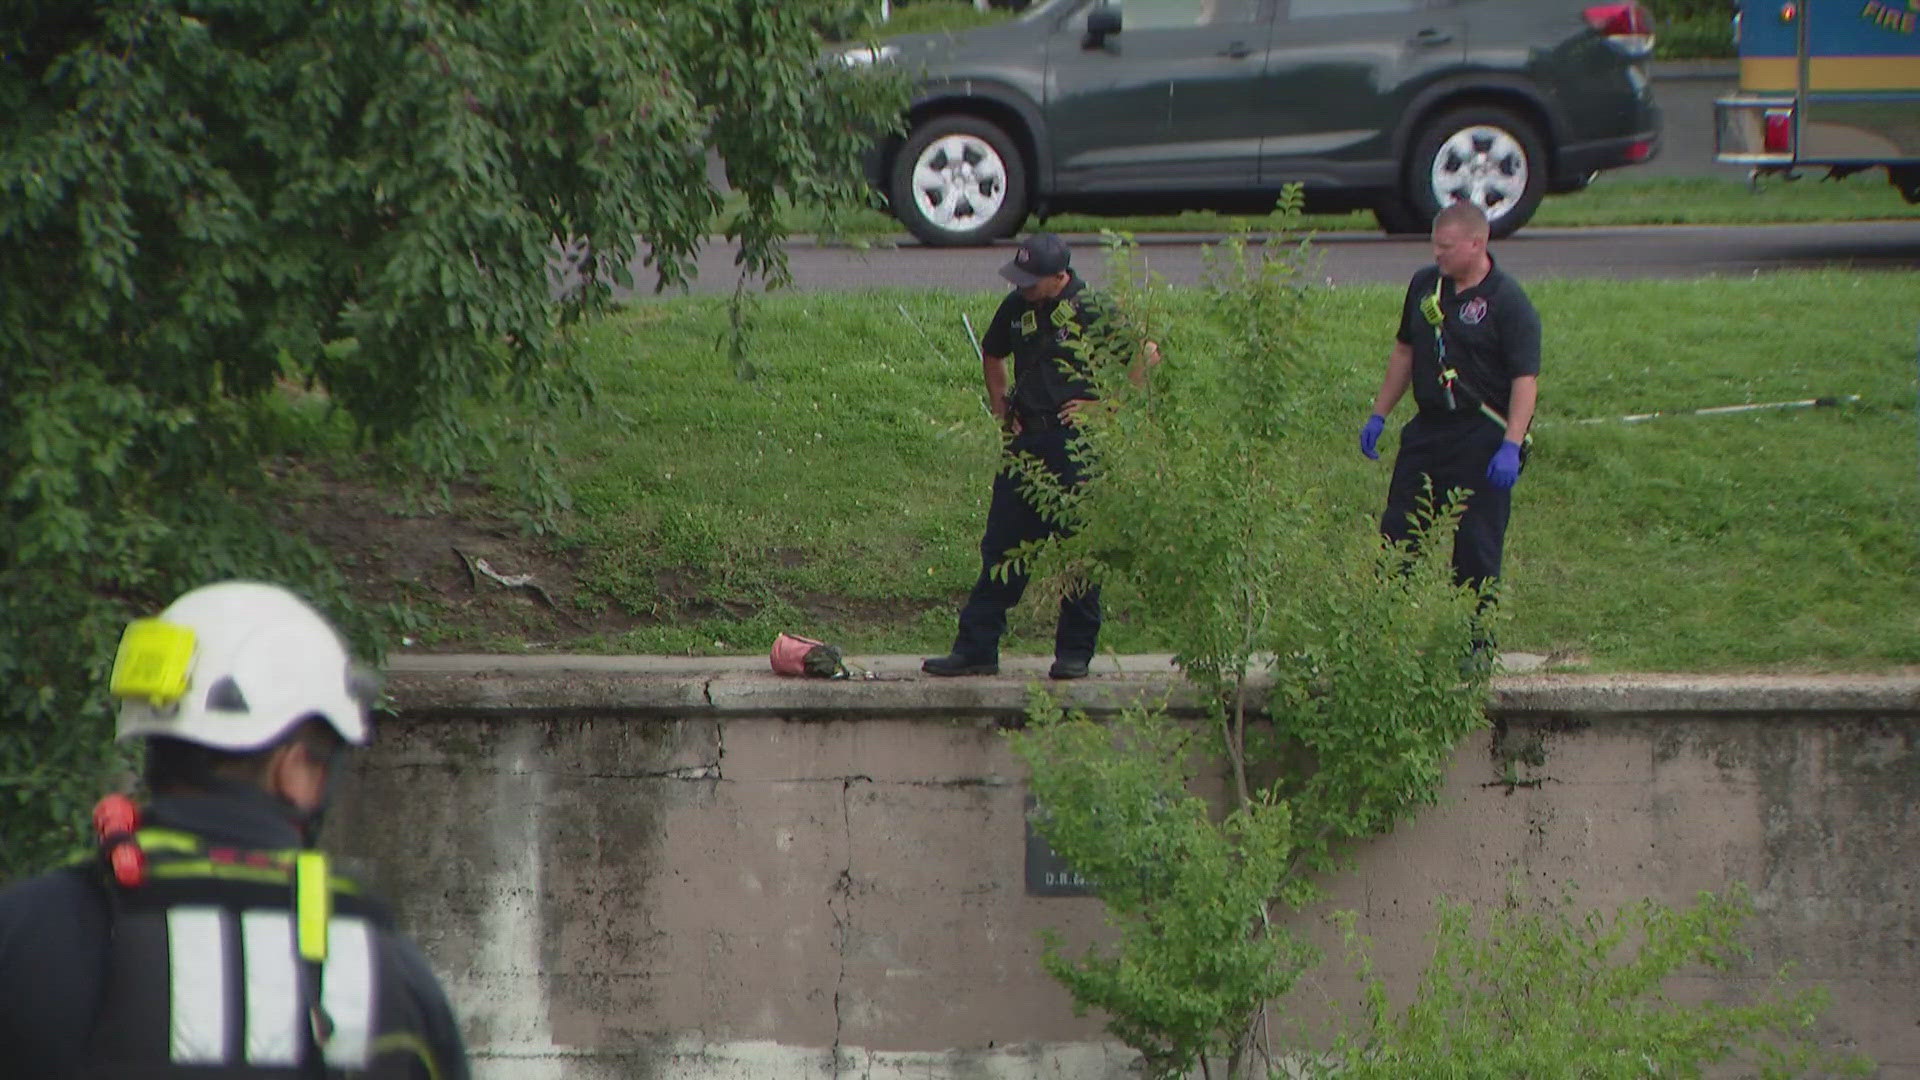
[{"x": 1041, "y": 255}]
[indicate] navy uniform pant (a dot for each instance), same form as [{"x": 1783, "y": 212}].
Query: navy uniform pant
[
  {"x": 1011, "y": 521},
  {"x": 1453, "y": 451}
]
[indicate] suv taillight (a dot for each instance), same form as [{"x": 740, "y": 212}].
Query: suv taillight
[{"x": 1628, "y": 27}]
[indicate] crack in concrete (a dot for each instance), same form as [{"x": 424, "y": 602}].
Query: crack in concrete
[
  {"x": 859, "y": 778},
  {"x": 843, "y": 890},
  {"x": 1514, "y": 785},
  {"x": 690, "y": 772}
]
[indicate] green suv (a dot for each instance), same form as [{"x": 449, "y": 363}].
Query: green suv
[{"x": 1142, "y": 106}]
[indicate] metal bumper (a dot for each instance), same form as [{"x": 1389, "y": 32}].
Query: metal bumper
[
  {"x": 1740, "y": 130},
  {"x": 1848, "y": 130}
]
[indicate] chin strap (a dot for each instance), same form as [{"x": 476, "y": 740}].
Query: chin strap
[{"x": 310, "y": 821}]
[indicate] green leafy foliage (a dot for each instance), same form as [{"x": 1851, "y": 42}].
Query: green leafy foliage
[
  {"x": 1188, "y": 895},
  {"x": 211, "y": 207},
  {"x": 1334, "y": 666},
  {"x": 1544, "y": 990}
]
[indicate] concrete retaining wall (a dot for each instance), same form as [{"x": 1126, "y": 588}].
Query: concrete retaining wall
[{"x": 630, "y": 868}]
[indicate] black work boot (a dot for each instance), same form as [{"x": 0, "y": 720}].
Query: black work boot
[
  {"x": 956, "y": 664},
  {"x": 1067, "y": 669}
]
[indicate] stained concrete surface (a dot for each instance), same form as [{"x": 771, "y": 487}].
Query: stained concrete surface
[{"x": 643, "y": 866}]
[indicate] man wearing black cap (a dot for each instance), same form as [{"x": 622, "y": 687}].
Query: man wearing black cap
[{"x": 1040, "y": 325}]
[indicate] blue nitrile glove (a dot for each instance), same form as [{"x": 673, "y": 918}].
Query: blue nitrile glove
[
  {"x": 1370, "y": 436},
  {"x": 1504, "y": 469}
]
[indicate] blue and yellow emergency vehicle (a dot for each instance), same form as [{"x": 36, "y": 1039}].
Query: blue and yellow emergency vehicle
[{"x": 1826, "y": 84}]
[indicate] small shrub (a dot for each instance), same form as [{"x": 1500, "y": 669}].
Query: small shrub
[{"x": 1546, "y": 992}]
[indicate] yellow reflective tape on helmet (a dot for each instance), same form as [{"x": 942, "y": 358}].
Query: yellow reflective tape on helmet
[
  {"x": 152, "y": 662},
  {"x": 313, "y": 904}
]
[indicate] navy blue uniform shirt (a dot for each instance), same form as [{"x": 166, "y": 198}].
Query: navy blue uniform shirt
[
  {"x": 1048, "y": 365},
  {"x": 1492, "y": 337}
]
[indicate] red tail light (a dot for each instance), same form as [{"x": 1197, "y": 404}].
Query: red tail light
[
  {"x": 1779, "y": 132},
  {"x": 1628, "y": 27}
]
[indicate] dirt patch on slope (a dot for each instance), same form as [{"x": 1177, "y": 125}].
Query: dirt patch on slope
[{"x": 476, "y": 579}]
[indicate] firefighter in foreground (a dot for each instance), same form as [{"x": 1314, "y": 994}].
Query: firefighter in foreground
[{"x": 208, "y": 937}]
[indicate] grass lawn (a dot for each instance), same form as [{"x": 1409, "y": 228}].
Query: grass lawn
[
  {"x": 840, "y": 491},
  {"x": 1614, "y": 199}
]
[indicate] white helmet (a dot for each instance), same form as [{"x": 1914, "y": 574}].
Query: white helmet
[{"x": 234, "y": 666}]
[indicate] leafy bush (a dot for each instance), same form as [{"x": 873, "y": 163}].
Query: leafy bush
[
  {"x": 1692, "y": 29},
  {"x": 1680, "y": 10},
  {"x": 210, "y": 206},
  {"x": 1546, "y": 992}
]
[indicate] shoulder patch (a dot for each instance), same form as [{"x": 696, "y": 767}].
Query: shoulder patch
[{"x": 1063, "y": 313}]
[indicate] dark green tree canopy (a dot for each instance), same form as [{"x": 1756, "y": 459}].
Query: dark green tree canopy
[
  {"x": 201, "y": 195},
  {"x": 205, "y": 201}
]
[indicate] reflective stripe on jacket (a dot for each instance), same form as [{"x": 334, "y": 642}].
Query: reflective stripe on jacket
[{"x": 217, "y": 971}]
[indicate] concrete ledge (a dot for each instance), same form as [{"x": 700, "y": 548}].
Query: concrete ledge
[
  {"x": 1696, "y": 695},
  {"x": 743, "y": 686}
]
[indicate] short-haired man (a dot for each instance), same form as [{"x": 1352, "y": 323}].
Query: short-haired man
[
  {"x": 1469, "y": 347},
  {"x": 209, "y": 937}
]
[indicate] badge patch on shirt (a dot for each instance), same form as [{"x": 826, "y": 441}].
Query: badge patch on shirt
[
  {"x": 1062, "y": 313},
  {"x": 1029, "y": 322},
  {"x": 1473, "y": 310}
]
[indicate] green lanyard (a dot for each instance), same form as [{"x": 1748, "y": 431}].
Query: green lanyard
[{"x": 1430, "y": 310}]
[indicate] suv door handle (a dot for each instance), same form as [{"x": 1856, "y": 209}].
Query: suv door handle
[
  {"x": 1239, "y": 50},
  {"x": 1433, "y": 36}
]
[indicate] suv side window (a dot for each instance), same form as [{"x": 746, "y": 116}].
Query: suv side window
[{"x": 1176, "y": 14}]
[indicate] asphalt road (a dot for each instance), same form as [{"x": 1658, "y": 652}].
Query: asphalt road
[{"x": 1675, "y": 252}]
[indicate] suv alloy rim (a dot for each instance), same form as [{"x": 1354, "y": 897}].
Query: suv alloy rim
[
  {"x": 1484, "y": 164},
  {"x": 959, "y": 182}
]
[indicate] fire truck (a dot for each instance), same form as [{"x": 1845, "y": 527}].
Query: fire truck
[{"x": 1825, "y": 84}]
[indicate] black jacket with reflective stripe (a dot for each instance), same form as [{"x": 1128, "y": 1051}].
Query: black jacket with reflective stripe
[
  {"x": 57, "y": 958},
  {"x": 203, "y": 981}
]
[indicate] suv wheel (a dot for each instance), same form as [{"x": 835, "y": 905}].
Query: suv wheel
[
  {"x": 1487, "y": 155},
  {"x": 1396, "y": 218},
  {"x": 959, "y": 180}
]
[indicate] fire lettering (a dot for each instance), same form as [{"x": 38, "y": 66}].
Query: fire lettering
[{"x": 1886, "y": 17}]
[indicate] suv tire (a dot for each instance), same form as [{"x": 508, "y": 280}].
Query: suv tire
[
  {"x": 1396, "y": 218},
  {"x": 959, "y": 181},
  {"x": 1487, "y": 154}
]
